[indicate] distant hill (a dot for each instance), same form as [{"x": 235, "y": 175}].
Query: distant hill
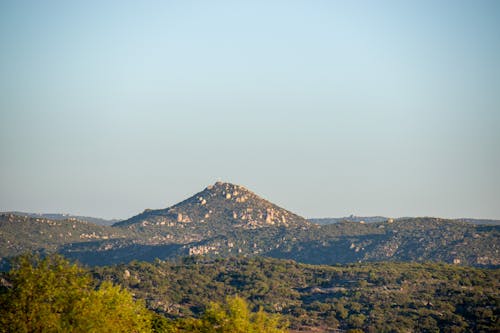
[
  {"x": 372, "y": 219},
  {"x": 411, "y": 239},
  {"x": 56, "y": 216},
  {"x": 226, "y": 220},
  {"x": 19, "y": 233},
  {"x": 480, "y": 221},
  {"x": 350, "y": 218}
]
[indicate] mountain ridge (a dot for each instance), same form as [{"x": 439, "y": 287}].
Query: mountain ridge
[
  {"x": 225, "y": 220},
  {"x": 65, "y": 216},
  {"x": 372, "y": 219}
]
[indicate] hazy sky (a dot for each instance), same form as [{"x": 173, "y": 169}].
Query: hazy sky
[{"x": 326, "y": 108}]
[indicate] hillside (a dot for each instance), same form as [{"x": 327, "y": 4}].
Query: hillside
[
  {"x": 374, "y": 297},
  {"x": 57, "y": 216},
  {"x": 19, "y": 234},
  {"x": 227, "y": 220},
  {"x": 411, "y": 239},
  {"x": 415, "y": 240}
]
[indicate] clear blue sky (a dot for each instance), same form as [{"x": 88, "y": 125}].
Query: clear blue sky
[{"x": 325, "y": 107}]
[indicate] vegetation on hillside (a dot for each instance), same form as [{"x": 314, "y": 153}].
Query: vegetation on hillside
[
  {"x": 52, "y": 295},
  {"x": 58, "y": 216},
  {"x": 219, "y": 243},
  {"x": 21, "y": 234},
  {"x": 373, "y": 297},
  {"x": 227, "y": 220},
  {"x": 412, "y": 240}
]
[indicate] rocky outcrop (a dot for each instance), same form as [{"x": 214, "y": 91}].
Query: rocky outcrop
[{"x": 219, "y": 205}]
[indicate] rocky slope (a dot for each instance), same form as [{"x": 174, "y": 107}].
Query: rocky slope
[
  {"x": 220, "y": 206},
  {"x": 226, "y": 220}
]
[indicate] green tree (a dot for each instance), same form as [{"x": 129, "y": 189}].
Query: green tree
[
  {"x": 160, "y": 324},
  {"x": 111, "y": 309},
  {"x": 43, "y": 295},
  {"x": 52, "y": 295},
  {"x": 235, "y": 317}
]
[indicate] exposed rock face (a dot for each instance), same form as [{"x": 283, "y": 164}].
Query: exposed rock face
[
  {"x": 183, "y": 218},
  {"x": 221, "y": 204}
]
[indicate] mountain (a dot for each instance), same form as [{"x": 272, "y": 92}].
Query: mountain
[
  {"x": 219, "y": 206},
  {"x": 217, "y": 211},
  {"x": 226, "y": 220},
  {"x": 226, "y": 240},
  {"x": 223, "y": 219}
]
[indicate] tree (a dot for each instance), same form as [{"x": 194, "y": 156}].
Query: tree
[
  {"x": 52, "y": 295},
  {"x": 43, "y": 295},
  {"x": 235, "y": 317},
  {"x": 111, "y": 309}
]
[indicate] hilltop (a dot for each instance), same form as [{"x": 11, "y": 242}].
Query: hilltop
[{"x": 220, "y": 205}]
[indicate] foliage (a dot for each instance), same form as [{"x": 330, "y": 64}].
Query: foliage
[
  {"x": 111, "y": 309},
  {"x": 413, "y": 239},
  {"x": 234, "y": 316},
  {"x": 373, "y": 297},
  {"x": 20, "y": 234},
  {"x": 52, "y": 295}
]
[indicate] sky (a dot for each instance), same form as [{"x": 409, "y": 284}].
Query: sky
[{"x": 326, "y": 108}]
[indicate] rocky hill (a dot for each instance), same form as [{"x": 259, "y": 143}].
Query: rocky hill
[
  {"x": 220, "y": 206},
  {"x": 217, "y": 211},
  {"x": 227, "y": 220}
]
